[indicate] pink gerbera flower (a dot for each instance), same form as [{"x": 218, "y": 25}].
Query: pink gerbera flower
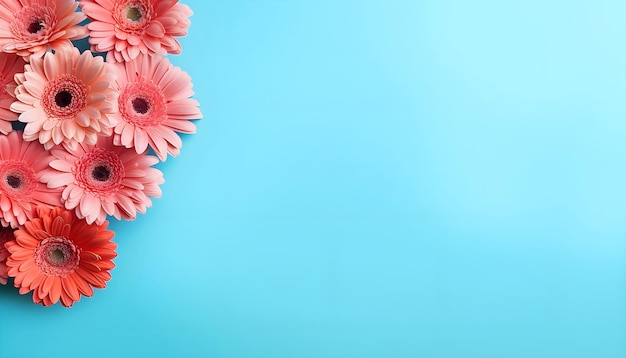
[
  {"x": 60, "y": 257},
  {"x": 125, "y": 28},
  {"x": 35, "y": 26},
  {"x": 65, "y": 97},
  {"x": 10, "y": 64},
  {"x": 153, "y": 104},
  {"x": 6, "y": 235},
  {"x": 104, "y": 180},
  {"x": 21, "y": 190}
]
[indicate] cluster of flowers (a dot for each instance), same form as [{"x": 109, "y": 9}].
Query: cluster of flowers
[{"x": 77, "y": 131}]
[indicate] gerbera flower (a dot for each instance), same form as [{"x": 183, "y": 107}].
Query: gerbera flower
[
  {"x": 65, "y": 97},
  {"x": 21, "y": 190},
  {"x": 60, "y": 257},
  {"x": 10, "y": 64},
  {"x": 125, "y": 28},
  {"x": 104, "y": 180},
  {"x": 35, "y": 26},
  {"x": 6, "y": 235},
  {"x": 153, "y": 104}
]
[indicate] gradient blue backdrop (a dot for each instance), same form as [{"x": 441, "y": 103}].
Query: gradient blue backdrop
[{"x": 376, "y": 178}]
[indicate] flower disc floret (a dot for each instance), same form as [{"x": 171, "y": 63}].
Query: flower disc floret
[{"x": 99, "y": 172}]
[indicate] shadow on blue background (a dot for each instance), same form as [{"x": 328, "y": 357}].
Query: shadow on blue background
[{"x": 376, "y": 179}]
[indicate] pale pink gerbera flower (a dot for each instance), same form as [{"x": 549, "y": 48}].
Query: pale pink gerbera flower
[
  {"x": 153, "y": 104},
  {"x": 65, "y": 97},
  {"x": 6, "y": 235},
  {"x": 21, "y": 190},
  {"x": 10, "y": 64},
  {"x": 104, "y": 180},
  {"x": 125, "y": 28},
  {"x": 35, "y": 26}
]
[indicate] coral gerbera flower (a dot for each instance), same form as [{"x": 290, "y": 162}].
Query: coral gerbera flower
[
  {"x": 125, "y": 28},
  {"x": 104, "y": 180},
  {"x": 153, "y": 104},
  {"x": 65, "y": 97},
  {"x": 6, "y": 235},
  {"x": 10, "y": 64},
  {"x": 21, "y": 190},
  {"x": 60, "y": 257},
  {"x": 35, "y": 26}
]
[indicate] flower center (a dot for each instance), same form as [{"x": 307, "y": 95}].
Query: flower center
[
  {"x": 99, "y": 172},
  {"x": 57, "y": 256},
  {"x": 35, "y": 26},
  {"x": 14, "y": 181},
  {"x": 64, "y": 97},
  {"x": 133, "y": 16},
  {"x": 33, "y": 22},
  {"x": 133, "y": 13},
  {"x": 142, "y": 104},
  {"x": 18, "y": 179}
]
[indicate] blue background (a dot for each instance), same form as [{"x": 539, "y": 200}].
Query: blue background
[{"x": 376, "y": 178}]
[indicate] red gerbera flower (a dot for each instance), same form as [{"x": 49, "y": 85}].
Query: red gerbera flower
[
  {"x": 6, "y": 235},
  {"x": 60, "y": 257}
]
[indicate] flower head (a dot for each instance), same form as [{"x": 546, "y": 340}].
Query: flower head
[
  {"x": 65, "y": 97},
  {"x": 104, "y": 180},
  {"x": 10, "y": 64},
  {"x": 6, "y": 235},
  {"x": 154, "y": 102},
  {"x": 125, "y": 28},
  {"x": 60, "y": 257},
  {"x": 31, "y": 27},
  {"x": 21, "y": 190}
]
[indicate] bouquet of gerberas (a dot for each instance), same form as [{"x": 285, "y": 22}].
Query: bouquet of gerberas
[{"x": 78, "y": 130}]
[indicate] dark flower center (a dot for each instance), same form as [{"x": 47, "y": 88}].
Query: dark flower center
[
  {"x": 14, "y": 181},
  {"x": 140, "y": 105},
  {"x": 56, "y": 257},
  {"x": 101, "y": 173},
  {"x": 63, "y": 98},
  {"x": 133, "y": 13},
  {"x": 35, "y": 26}
]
